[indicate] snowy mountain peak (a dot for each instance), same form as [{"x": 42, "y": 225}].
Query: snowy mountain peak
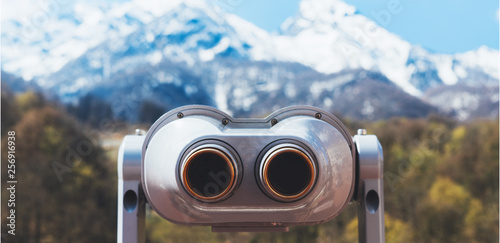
[
  {"x": 187, "y": 34},
  {"x": 317, "y": 14},
  {"x": 34, "y": 49},
  {"x": 484, "y": 58},
  {"x": 94, "y": 40},
  {"x": 327, "y": 11},
  {"x": 330, "y": 36}
]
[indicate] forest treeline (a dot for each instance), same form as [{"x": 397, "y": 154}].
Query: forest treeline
[
  {"x": 441, "y": 181},
  {"x": 66, "y": 185}
]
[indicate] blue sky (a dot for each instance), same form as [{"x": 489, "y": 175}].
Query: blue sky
[{"x": 444, "y": 26}]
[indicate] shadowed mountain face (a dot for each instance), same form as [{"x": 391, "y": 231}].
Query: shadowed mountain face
[{"x": 193, "y": 52}]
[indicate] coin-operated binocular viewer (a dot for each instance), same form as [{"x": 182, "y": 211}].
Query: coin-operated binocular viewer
[{"x": 299, "y": 166}]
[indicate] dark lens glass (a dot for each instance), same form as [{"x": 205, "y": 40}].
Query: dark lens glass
[
  {"x": 289, "y": 173},
  {"x": 208, "y": 173}
]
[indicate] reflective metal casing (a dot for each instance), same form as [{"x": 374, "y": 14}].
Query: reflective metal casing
[{"x": 318, "y": 135}]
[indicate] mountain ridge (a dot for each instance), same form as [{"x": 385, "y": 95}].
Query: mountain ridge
[{"x": 198, "y": 40}]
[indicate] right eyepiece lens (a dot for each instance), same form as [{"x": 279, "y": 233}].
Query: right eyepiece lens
[
  {"x": 288, "y": 174},
  {"x": 208, "y": 174}
]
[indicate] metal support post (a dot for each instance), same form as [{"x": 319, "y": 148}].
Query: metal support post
[
  {"x": 131, "y": 200},
  {"x": 371, "y": 225}
]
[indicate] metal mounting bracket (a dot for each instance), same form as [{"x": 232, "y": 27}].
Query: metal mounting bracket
[
  {"x": 131, "y": 200},
  {"x": 370, "y": 186}
]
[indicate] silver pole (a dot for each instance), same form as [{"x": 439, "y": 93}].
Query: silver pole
[
  {"x": 131, "y": 201},
  {"x": 370, "y": 159}
]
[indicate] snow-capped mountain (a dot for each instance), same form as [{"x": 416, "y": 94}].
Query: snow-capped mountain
[
  {"x": 177, "y": 52},
  {"x": 331, "y": 36},
  {"x": 186, "y": 34},
  {"x": 56, "y": 32}
]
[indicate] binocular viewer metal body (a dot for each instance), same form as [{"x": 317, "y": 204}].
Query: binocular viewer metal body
[{"x": 299, "y": 166}]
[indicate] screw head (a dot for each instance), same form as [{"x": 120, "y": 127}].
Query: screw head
[
  {"x": 274, "y": 122},
  {"x": 318, "y": 115},
  {"x": 225, "y": 121},
  {"x": 140, "y": 132},
  {"x": 180, "y": 115},
  {"x": 362, "y": 131}
]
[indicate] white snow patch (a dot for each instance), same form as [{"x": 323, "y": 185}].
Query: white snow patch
[
  {"x": 328, "y": 102},
  {"x": 460, "y": 71},
  {"x": 318, "y": 87},
  {"x": 221, "y": 91},
  {"x": 76, "y": 86},
  {"x": 190, "y": 89},
  {"x": 445, "y": 70},
  {"x": 209, "y": 54},
  {"x": 484, "y": 59},
  {"x": 290, "y": 90},
  {"x": 368, "y": 108},
  {"x": 155, "y": 57}
]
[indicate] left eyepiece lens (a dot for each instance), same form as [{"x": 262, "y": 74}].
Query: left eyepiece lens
[{"x": 208, "y": 174}]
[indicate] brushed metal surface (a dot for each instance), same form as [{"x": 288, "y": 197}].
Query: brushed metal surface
[{"x": 171, "y": 137}]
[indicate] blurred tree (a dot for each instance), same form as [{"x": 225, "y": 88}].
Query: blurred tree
[
  {"x": 91, "y": 110},
  {"x": 395, "y": 231},
  {"x": 449, "y": 213},
  {"x": 158, "y": 230},
  {"x": 76, "y": 205},
  {"x": 10, "y": 110},
  {"x": 30, "y": 100},
  {"x": 472, "y": 158}
]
